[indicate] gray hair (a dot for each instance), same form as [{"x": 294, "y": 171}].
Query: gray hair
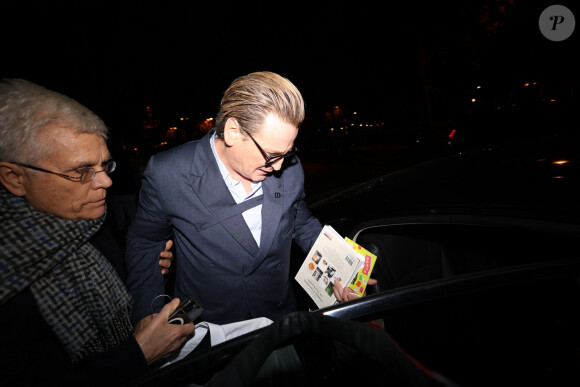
[
  {"x": 26, "y": 109},
  {"x": 251, "y": 98}
]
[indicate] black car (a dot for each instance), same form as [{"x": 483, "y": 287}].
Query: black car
[
  {"x": 479, "y": 261},
  {"x": 478, "y": 280}
]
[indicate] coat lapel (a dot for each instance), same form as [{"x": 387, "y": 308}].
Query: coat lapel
[{"x": 209, "y": 186}]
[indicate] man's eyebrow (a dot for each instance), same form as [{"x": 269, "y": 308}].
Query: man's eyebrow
[{"x": 88, "y": 164}]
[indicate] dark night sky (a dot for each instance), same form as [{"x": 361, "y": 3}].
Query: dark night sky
[{"x": 180, "y": 58}]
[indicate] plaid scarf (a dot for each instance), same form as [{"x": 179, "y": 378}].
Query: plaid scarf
[{"x": 77, "y": 291}]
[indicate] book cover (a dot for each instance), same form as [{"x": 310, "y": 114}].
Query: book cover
[{"x": 330, "y": 258}]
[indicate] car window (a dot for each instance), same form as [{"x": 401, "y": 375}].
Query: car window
[{"x": 410, "y": 254}]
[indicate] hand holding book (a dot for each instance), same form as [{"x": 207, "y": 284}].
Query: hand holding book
[{"x": 344, "y": 294}]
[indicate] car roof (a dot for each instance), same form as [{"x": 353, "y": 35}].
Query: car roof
[{"x": 537, "y": 178}]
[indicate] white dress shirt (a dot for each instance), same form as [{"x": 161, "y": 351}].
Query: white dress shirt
[{"x": 253, "y": 216}]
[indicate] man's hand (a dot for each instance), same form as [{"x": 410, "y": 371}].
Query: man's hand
[
  {"x": 166, "y": 257},
  {"x": 344, "y": 294},
  {"x": 157, "y": 338}
]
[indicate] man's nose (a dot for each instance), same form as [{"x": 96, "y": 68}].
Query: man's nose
[
  {"x": 277, "y": 164},
  {"x": 101, "y": 180}
]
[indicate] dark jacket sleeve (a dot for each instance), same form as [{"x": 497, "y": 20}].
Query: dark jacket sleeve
[
  {"x": 120, "y": 364},
  {"x": 307, "y": 226},
  {"x": 146, "y": 238},
  {"x": 34, "y": 356}
]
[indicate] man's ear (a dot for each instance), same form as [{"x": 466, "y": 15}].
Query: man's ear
[
  {"x": 232, "y": 132},
  {"x": 12, "y": 178}
]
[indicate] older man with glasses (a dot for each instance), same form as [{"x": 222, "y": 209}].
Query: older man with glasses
[
  {"x": 64, "y": 312},
  {"x": 233, "y": 202}
]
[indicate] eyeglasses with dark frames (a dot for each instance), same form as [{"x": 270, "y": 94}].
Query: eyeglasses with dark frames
[
  {"x": 87, "y": 174},
  {"x": 271, "y": 159}
]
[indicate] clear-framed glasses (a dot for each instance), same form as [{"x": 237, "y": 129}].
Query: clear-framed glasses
[
  {"x": 271, "y": 159},
  {"x": 87, "y": 174}
]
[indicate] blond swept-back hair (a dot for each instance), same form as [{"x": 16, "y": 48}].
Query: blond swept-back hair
[
  {"x": 251, "y": 98},
  {"x": 26, "y": 109}
]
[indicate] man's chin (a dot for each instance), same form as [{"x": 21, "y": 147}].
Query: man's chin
[
  {"x": 261, "y": 174},
  {"x": 94, "y": 213}
]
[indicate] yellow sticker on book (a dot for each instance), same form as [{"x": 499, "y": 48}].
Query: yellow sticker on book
[{"x": 360, "y": 281}]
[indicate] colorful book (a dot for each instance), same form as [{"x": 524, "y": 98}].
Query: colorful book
[{"x": 334, "y": 257}]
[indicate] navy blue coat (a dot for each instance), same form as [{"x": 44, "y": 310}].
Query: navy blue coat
[{"x": 217, "y": 261}]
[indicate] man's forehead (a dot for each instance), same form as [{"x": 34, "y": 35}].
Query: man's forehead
[
  {"x": 278, "y": 132},
  {"x": 64, "y": 134},
  {"x": 66, "y": 145}
]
